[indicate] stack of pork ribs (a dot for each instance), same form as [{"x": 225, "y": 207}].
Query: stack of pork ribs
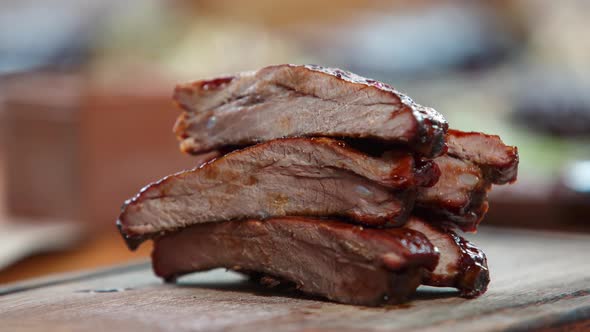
[{"x": 322, "y": 180}]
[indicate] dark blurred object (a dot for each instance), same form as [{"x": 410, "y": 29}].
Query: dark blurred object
[
  {"x": 531, "y": 206},
  {"x": 550, "y": 103},
  {"x": 76, "y": 149},
  {"x": 562, "y": 203},
  {"x": 420, "y": 42}
]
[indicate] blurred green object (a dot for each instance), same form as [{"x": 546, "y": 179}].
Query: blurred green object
[
  {"x": 184, "y": 43},
  {"x": 141, "y": 30}
]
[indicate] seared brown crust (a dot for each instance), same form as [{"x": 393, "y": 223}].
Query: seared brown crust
[
  {"x": 429, "y": 139},
  {"x": 335, "y": 260},
  {"x": 460, "y": 195},
  {"x": 499, "y": 162},
  {"x": 290, "y": 100},
  {"x": 461, "y": 265},
  {"x": 295, "y": 176},
  {"x": 473, "y": 163},
  {"x": 465, "y": 175},
  {"x": 474, "y": 277}
]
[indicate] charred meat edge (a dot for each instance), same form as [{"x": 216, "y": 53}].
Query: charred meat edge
[
  {"x": 248, "y": 91},
  {"x": 460, "y": 195},
  {"x": 391, "y": 183},
  {"x": 462, "y": 265},
  {"x": 341, "y": 262},
  {"x": 498, "y": 161}
]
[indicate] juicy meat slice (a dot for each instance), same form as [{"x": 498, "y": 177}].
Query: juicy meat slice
[
  {"x": 498, "y": 161},
  {"x": 290, "y": 100},
  {"x": 460, "y": 195},
  {"x": 474, "y": 161},
  {"x": 332, "y": 259},
  {"x": 295, "y": 176},
  {"x": 461, "y": 264}
]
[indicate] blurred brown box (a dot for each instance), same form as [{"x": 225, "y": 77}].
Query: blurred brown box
[{"x": 77, "y": 150}]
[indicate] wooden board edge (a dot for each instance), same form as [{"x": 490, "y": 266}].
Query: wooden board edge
[
  {"x": 21, "y": 286},
  {"x": 577, "y": 319}
]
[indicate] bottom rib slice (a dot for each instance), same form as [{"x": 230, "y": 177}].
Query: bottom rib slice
[
  {"x": 332, "y": 259},
  {"x": 461, "y": 265}
]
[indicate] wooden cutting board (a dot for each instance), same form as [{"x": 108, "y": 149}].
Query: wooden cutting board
[{"x": 539, "y": 281}]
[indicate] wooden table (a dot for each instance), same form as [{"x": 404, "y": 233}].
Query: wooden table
[{"x": 539, "y": 281}]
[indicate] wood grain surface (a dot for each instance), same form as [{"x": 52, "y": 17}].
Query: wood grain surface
[{"x": 540, "y": 281}]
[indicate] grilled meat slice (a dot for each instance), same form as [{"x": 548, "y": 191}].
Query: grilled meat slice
[
  {"x": 460, "y": 195},
  {"x": 499, "y": 162},
  {"x": 461, "y": 264},
  {"x": 332, "y": 259},
  {"x": 296, "y": 176},
  {"x": 290, "y": 100},
  {"x": 473, "y": 163}
]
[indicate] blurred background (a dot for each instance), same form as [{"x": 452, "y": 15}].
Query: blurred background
[{"x": 86, "y": 114}]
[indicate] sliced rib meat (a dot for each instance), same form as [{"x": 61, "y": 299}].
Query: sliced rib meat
[
  {"x": 338, "y": 261},
  {"x": 461, "y": 264},
  {"x": 498, "y": 161},
  {"x": 289, "y": 100},
  {"x": 296, "y": 176},
  {"x": 460, "y": 195},
  {"x": 473, "y": 163}
]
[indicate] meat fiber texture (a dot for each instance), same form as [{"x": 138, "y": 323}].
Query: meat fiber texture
[
  {"x": 328, "y": 258},
  {"x": 474, "y": 162},
  {"x": 288, "y": 100},
  {"x": 334, "y": 184},
  {"x": 294, "y": 176}
]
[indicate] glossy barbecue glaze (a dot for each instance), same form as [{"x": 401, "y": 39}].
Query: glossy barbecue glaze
[
  {"x": 338, "y": 261},
  {"x": 498, "y": 161},
  {"x": 289, "y": 100},
  {"x": 474, "y": 162},
  {"x": 296, "y": 176},
  {"x": 295, "y": 156},
  {"x": 461, "y": 265},
  {"x": 460, "y": 195}
]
